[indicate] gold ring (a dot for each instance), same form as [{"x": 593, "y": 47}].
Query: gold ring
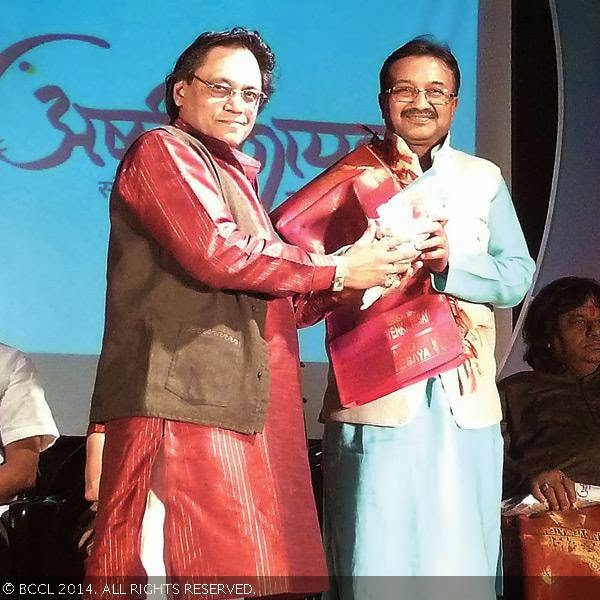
[{"x": 544, "y": 486}]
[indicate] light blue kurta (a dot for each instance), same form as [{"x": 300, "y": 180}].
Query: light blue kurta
[{"x": 406, "y": 506}]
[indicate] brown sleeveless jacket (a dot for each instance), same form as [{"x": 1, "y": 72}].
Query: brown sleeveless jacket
[{"x": 173, "y": 347}]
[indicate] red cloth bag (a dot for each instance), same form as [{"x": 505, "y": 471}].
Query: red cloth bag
[
  {"x": 410, "y": 342},
  {"x": 553, "y": 555},
  {"x": 406, "y": 337}
]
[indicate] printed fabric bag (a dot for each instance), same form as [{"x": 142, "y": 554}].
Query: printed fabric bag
[
  {"x": 554, "y": 555},
  {"x": 410, "y": 342},
  {"x": 405, "y": 337}
]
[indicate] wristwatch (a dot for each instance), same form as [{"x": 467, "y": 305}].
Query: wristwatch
[{"x": 339, "y": 278}]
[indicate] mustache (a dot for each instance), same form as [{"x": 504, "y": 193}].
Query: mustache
[{"x": 415, "y": 112}]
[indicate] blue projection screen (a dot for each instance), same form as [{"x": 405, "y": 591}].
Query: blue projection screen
[{"x": 79, "y": 80}]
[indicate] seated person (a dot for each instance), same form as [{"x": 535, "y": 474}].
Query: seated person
[
  {"x": 552, "y": 414},
  {"x": 26, "y": 423}
]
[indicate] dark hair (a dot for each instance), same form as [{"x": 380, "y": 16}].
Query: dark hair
[
  {"x": 195, "y": 54},
  {"x": 541, "y": 322},
  {"x": 423, "y": 45}
]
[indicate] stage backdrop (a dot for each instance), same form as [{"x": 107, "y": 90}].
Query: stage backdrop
[
  {"x": 570, "y": 240},
  {"x": 80, "y": 79}
]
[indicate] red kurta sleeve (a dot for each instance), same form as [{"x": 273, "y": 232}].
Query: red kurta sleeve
[
  {"x": 95, "y": 428},
  {"x": 170, "y": 189},
  {"x": 312, "y": 308}
]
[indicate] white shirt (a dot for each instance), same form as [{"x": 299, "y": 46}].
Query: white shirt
[{"x": 24, "y": 412}]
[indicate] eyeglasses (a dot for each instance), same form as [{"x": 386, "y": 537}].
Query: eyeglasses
[
  {"x": 409, "y": 93},
  {"x": 222, "y": 91}
]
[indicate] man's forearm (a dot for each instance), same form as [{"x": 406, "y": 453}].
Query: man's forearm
[{"x": 18, "y": 473}]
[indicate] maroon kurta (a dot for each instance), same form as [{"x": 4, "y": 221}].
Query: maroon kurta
[{"x": 237, "y": 505}]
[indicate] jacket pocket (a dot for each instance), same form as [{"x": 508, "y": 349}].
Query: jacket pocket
[{"x": 206, "y": 366}]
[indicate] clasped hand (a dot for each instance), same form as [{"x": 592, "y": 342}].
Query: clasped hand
[
  {"x": 434, "y": 249},
  {"x": 373, "y": 260}
]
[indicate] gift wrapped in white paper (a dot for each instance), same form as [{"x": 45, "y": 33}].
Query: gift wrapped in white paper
[
  {"x": 587, "y": 495},
  {"x": 406, "y": 215}
]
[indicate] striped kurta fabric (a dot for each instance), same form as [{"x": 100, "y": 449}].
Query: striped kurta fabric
[{"x": 238, "y": 507}]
